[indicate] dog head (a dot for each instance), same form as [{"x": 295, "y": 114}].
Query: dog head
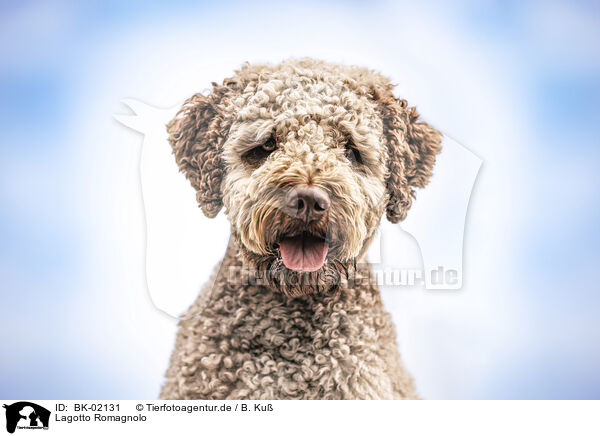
[{"x": 306, "y": 157}]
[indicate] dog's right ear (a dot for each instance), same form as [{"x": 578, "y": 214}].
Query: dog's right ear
[{"x": 197, "y": 134}]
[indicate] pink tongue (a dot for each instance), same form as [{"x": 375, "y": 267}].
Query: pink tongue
[{"x": 303, "y": 253}]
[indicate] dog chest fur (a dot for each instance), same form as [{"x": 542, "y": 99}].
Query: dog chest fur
[{"x": 250, "y": 342}]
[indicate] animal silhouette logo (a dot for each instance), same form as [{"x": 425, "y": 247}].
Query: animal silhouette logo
[
  {"x": 26, "y": 415},
  {"x": 436, "y": 222}
]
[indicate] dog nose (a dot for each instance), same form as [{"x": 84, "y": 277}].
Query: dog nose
[{"x": 308, "y": 204}]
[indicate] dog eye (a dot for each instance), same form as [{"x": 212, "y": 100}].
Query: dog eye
[
  {"x": 353, "y": 154},
  {"x": 257, "y": 155}
]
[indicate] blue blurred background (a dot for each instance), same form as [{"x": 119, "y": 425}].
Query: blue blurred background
[{"x": 517, "y": 82}]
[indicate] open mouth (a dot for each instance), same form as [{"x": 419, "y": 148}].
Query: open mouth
[{"x": 305, "y": 252}]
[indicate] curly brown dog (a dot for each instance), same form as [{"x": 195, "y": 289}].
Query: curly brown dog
[{"x": 305, "y": 156}]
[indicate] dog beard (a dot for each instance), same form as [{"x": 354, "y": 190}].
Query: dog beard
[
  {"x": 271, "y": 271},
  {"x": 298, "y": 283}
]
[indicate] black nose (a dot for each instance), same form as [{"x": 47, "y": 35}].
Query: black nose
[{"x": 308, "y": 204}]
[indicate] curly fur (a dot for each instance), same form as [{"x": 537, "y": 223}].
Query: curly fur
[{"x": 290, "y": 334}]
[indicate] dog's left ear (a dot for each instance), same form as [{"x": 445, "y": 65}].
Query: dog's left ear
[
  {"x": 197, "y": 134},
  {"x": 412, "y": 146}
]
